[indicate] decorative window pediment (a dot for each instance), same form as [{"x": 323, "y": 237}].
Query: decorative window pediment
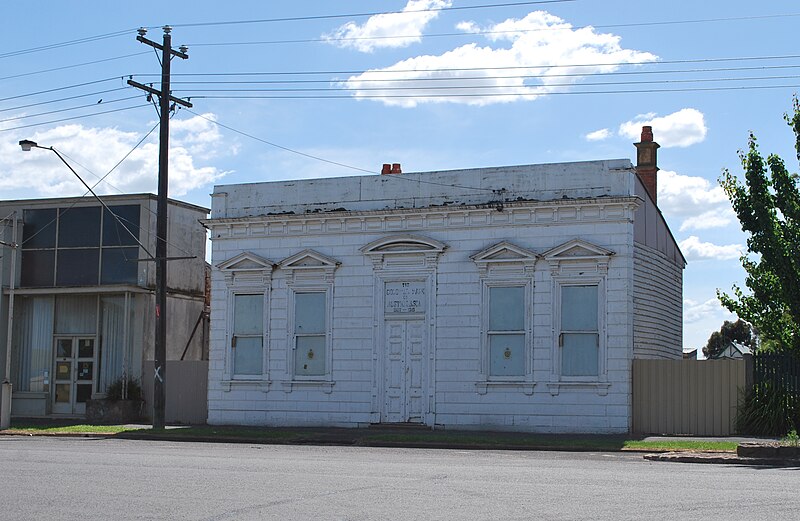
[
  {"x": 310, "y": 263},
  {"x": 404, "y": 249},
  {"x": 504, "y": 256},
  {"x": 246, "y": 267},
  {"x": 578, "y": 254}
]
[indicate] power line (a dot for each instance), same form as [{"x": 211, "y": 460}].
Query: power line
[
  {"x": 58, "y": 89},
  {"x": 69, "y": 98},
  {"x": 498, "y": 68},
  {"x": 73, "y": 118},
  {"x": 67, "y": 109},
  {"x": 470, "y": 33},
  {"x": 66, "y": 44},
  {"x": 256, "y": 138},
  {"x": 494, "y": 95},
  {"x": 506, "y": 76},
  {"x": 374, "y": 13},
  {"x": 73, "y": 66}
]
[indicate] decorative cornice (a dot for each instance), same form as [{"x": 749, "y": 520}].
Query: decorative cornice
[{"x": 401, "y": 221}]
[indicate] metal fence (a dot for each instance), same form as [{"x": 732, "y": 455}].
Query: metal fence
[
  {"x": 187, "y": 391},
  {"x": 781, "y": 370},
  {"x": 687, "y": 397}
]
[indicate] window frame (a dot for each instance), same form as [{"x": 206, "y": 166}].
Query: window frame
[
  {"x": 246, "y": 274},
  {"x": 309, "y": 287},
  {"x": 560, "y": 284},
  {"x": 506, "y": 265},
  {"x": 232, "y": 294}
]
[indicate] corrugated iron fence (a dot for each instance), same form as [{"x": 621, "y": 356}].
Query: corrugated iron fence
[
  {"x": 187, "y": 391},
  {"x": 697, "y": 397}
]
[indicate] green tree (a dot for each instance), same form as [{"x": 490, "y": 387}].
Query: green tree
[
  {"x": 739, "y": 331},
  {"x": 768, "y": 207}
]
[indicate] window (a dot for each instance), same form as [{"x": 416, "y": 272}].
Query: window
[
  {"x": 310, "y": 333},
  {"x": 309, "y": 279},
  {"x": 506, "y": 334},
  {"x": 506, "y": 272},
  {"x": 80, "y": 246},
  {"x": 579, "y": 338},
  {"x": 247, "y": 340}
]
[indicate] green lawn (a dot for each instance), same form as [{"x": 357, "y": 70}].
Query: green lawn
[{"x": 362, "y": 437}]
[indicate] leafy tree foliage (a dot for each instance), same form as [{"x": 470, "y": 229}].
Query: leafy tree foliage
[
  {"x": 768, "y": 208},
  {"x": 739, "y": 331}
]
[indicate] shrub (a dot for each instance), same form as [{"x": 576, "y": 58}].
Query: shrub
[
  {"x": 767, "y": 410},
  {"x": 114, "y": 391}
]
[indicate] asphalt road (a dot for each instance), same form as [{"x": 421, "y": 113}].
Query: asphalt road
[{"x": 68, "y": 478}]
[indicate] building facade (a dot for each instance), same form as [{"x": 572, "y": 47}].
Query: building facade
[
  {"x": 82, "y": 312},
  {"x": 495, "y": 298}
]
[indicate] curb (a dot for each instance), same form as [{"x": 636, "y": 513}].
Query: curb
[{"x": 721, "y": 459}]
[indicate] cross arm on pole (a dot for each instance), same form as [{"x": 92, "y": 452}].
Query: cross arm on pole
[{"x": 157, "y": 92}]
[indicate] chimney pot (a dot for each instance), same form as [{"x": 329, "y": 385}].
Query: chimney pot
[
  {"x": 396, "y": 168},
  {"x": 387, "y": 169},
  {"x": 647, "y": 134}
]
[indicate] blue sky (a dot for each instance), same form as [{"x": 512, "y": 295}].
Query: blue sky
[{"x": 539, "y": 76}]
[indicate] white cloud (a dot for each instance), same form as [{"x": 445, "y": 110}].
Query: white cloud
[
  {"x": 698, "y": 203},
  {"x": 679, "y": 129},
  {"x": 598, "y": 135},
  {"x": 694, "y": 311},
  {"x": 389, "y": 30},
  {"x": 541, "y": 45},
  {"x": 694, "y": 249},
  {"x": 95, "y": 151}
]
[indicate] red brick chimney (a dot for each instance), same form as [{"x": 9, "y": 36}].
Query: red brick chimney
[
  {"x": 389, "y": 169},
  {"x": 646, "y": 162}
]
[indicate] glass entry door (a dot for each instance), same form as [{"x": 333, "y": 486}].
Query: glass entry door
[{"x": 73, "y": 375}]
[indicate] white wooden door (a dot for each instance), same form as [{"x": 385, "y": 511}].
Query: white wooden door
[
  {"x": 404, "y": 372},
  {"x": 73, "y": 375}
]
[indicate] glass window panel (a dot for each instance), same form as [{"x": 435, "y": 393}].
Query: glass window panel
[
  {"x": 63, "y": 370},
  {"x": 119, "y": 266},
  {"x": 64, "y": 348},
  {"x": 114, "y": 233},
  {"x": 85, "y": 370},
  {"x": 39, "y": 228},
  {"x": 86, "y": 348},
  {"x": 247, "y": 359},
  {"x": 63, "y": 393},
  {"x": 579, "y": 308},
  {"x": 507, "y": 309},
  {"x": 310, "y": 356},
  {"x": 77, "y": 267},
  {"x": 309, "y": 314},
  {"x": 38, "y": 267},
  {"x": 248, "y": 314},
  {"x": 507, "y": 355},
  {"x": 579, "y": 354},
  {"x": 83, "y": 392},
  {"x": 79, "y": 227}
]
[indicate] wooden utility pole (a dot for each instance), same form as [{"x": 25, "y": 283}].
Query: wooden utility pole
[{"x": 165, "y": 98}]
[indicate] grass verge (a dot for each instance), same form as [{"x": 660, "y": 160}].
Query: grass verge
[{"x": 367, "y": 437}]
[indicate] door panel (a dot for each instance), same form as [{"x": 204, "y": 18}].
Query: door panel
[
  {"x": 404, "y": 371},
  {"x": 74, "y": 374}
]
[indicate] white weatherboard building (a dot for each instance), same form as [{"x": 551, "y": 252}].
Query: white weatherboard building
[{"x": 507, "y": 298}]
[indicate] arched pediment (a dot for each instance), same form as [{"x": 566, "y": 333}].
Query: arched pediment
[{"x": 399, "y": 244}]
